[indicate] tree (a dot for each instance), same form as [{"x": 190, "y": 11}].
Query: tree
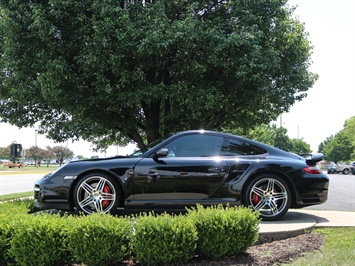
[
  {"x": 299, "y": 146},
  {"x": 341, "y": 146},
  {"x": 339, "y": 149},
  {"x": 37, "y": 153},
  {"x": 111, "y": 72},
  {"x": 5, "y": 152},
  {"x": 277, "y": 137},
  {"x": 49, "y": 155},
  {"x": 81, "y": 157},
  {"x": 322, "y": 145},
  {"x": 349, "y": 128},
  {"x": 62, "y": 153}
]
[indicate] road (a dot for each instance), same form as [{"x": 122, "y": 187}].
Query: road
[
  {"x": 17, "y": 183},
  {"x": 341, "y": 195}
]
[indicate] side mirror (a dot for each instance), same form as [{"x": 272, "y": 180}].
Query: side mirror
[{"x": 163, "y": 152}]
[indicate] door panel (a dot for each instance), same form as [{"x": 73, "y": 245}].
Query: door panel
[{"x": 175, "y": 180}]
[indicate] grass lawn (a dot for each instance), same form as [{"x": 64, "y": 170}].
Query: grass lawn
[
  {"x": 338, "y": 249},
  {"x": 16, "y": 196},
  {"x": 27, "y": 169}
]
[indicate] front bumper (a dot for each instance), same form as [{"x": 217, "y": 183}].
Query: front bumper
[{"x": 49, "y": 195}]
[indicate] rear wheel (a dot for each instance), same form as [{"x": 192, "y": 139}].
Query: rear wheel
[
  {"x": 96, "y": 193},
  {"x": 269, "y": 195},
  {"x": 345, "y": 171}
]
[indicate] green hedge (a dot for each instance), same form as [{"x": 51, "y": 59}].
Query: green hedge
[
  {"x": 103, "y": 239},
  {"x": 11, "y": 214},
  {"x": 99, "y": 239},
  {"x": 163, "y": 239},
  {"x": 224, "y": 231},
  {"x": 40, "y": 241}
]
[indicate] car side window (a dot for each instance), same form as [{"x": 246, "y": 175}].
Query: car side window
[
  {"x": 195, "y": 146},
  {"x": 234, "y": 147}
]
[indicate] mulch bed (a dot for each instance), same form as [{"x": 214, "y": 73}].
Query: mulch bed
[{"x": 271, "y": 253}]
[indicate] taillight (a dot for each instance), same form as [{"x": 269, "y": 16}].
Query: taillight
[{"x": 313, "y": 170}]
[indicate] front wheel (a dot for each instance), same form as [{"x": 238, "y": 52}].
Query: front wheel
[
  {"x": 269, "y": 195},
  {"x": 96, "y": 193}
]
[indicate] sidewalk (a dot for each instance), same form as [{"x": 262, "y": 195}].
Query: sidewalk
[{"x": 296, "y": 222}]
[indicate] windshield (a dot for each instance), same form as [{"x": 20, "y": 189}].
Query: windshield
[{"x": 150, "y": 146}]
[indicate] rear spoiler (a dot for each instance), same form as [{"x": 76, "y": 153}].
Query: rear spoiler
[{"x": 312, "y": 159}]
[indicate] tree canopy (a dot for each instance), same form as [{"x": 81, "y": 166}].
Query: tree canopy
[
  {"x": 277, "y": 137},
  {"x": 112, "y": 72},
  {"x": 341, "y": 146}
]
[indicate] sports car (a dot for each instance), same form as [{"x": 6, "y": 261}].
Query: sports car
[{"x": 185, "y": 169}]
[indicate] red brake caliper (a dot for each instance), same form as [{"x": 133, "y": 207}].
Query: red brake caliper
[
  {"x": 256, "y": 198},
  {"x": 106, "y": 189}
]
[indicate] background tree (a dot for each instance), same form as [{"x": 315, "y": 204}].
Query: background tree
[
  {"x": 49, "y": 155},
  {"x": 62, "y": 153},
  {"x": 81, "y": 157},
  {"x": 37, "y": 153},
  {"x": 277, "y": 137},
  {"x": 299, "y": 146},
  {"x": 341, "y": 147},
  {"x": 323, "y": 144},
  {"x": 5, "y": 153},
  {"x": 349, "y": 128},
  {"x": 117, "y": 71}
]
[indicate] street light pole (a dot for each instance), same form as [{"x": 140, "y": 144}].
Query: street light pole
[{"x": 281, "y": 131}]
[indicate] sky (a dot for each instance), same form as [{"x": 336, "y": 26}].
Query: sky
[{"x": 329, "y": 103}]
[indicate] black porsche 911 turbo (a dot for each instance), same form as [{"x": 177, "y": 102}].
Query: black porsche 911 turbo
[{"x": 185, "y": 169}]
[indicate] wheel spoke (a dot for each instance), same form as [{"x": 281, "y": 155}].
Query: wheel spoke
[
  {"x": 270, "y": 185},
  {"x": 98, "y": 206},
  {"x": 101, "y": 184},
  {"x": 273, "y": 207},
  {"x": 261, "y": 204},
  {"x": 88, "y": 189},
  {"x": 280, "y": 195},
  {"x": 85, "y": 202},
  {"x": 258, "y": 191},
  {"x": 108, "y": 196}
]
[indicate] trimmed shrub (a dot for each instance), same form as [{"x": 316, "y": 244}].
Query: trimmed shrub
[
  {"x": 163, "y": 239},
  {"x": 16, "y": 207},
  {"x": 11, "y": 213},
  {"x": 40, "y": 240},
  {"x": 224, "y": 231},
  {"x": 99, "y": 239},
  {"x": 102, "y": 239},
  {"x": 6, "y": 230}
]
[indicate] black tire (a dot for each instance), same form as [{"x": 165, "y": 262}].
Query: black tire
[
  {"x": 97, "y": 192},
  {"x": 345, "y": 171},
  {"x": 270, "y": 195}
]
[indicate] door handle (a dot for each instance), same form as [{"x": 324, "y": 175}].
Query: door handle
[
  {"x": 216, "y": 169},
  {"x": 154, "y": 175}
]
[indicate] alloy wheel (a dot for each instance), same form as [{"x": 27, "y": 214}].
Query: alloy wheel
[
  {"x": 270, "y": 196},
  {"x": 95, "y": 194}
]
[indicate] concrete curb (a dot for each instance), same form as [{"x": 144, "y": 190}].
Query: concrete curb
[{"x": 297, "y": 222}]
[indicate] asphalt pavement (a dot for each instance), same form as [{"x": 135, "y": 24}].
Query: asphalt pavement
[{"x": 299, "y": 221}]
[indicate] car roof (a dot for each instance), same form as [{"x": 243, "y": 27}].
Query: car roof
[{"x": 270, "y": 149}]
